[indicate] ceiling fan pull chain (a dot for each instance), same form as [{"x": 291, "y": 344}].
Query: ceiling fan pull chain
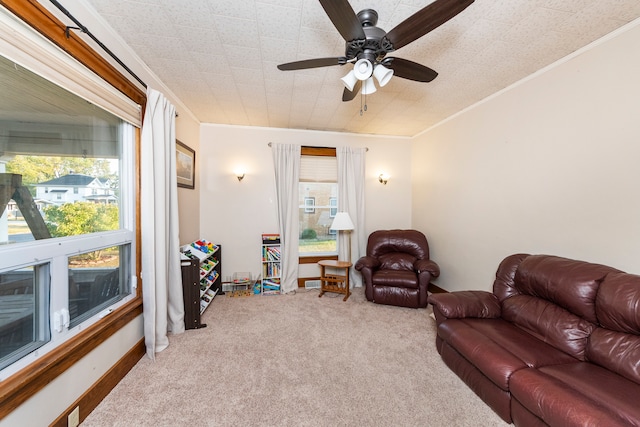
[{"x": 361, "y": 111}]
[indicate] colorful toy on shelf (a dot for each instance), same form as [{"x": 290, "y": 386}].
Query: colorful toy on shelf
[{"x": 204, "y": 246}]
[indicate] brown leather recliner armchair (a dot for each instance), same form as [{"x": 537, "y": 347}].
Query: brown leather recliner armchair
[{"x": 397, "y": 269}]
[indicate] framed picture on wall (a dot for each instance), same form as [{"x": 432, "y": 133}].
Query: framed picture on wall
[{"x": 185, "y": 165}]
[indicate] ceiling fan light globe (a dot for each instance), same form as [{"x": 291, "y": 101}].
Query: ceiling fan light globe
[
  {"x": 349, "y": 80},
  {"x": 369, "y": 86},
  {"x": 382, "y": 74},
  {"x": 363, "y": 68}
]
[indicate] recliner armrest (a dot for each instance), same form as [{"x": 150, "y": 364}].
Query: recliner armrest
[
  {"x": 367, "y": 262},
  {"x": 427, "y": 265},
  {"x": 461, "y": 304}
]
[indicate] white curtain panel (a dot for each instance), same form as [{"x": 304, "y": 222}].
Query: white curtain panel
[
  {"x": 286, "y": 162},
  {"x": 161, "y": 277},
  {"x": 351, "y": 174}
]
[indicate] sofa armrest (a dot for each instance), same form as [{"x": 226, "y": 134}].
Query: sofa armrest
[
  {"x": 427, "y": 265},
  {"x": 367, "y": 262},
  {"x": 461, "y": 304}
]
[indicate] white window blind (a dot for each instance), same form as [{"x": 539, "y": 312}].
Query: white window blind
[{"x": 318, "y": 169}]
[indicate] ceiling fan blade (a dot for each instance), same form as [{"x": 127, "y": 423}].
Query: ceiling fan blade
[
  {"x": 344, "y": 19},
  {"x": 409, "y": 69},
  {"x": 425, "y": 20},
  {"x": 348, "y": 95},
  {"x": 312, "y": 63}
]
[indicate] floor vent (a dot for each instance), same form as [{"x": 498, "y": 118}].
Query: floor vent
[{"x": 312, "y": 284}]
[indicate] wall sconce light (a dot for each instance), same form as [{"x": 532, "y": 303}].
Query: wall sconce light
[
  {"x": 239, "y": 175},
  {"x": 383, "y": 178}
]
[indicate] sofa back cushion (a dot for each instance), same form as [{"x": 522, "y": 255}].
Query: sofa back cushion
[
  {"x": 618, "y": 303},
  {"x": 572, "y": 285},
  {"x": 397, "y": 261},
  {"x": 554, "y": 299},
  {"x": 410, "y": 242},
  {"x": 615, "y": 345},
  {"x": 550, "y": 323}
]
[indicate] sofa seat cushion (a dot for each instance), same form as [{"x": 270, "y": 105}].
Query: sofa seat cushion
[
  {"x": 577, "y": 394},
  {"x": 498, "y": 348},
  {"x": 395, "y": 278}
]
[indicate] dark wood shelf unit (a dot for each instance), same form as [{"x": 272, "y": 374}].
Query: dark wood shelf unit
[{"x": 201, "y": 283}]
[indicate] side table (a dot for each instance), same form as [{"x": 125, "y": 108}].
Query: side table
[{"x": 334, "y": 282}]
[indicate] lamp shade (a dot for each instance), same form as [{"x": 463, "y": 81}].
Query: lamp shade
[
  {"x": 349, "y": 80},
  {"x": 382, "y": 74},
  {"x": 342, "y": 221},
  {"x": 363, "y": 69},
  {"x": 368, "y": 87}
]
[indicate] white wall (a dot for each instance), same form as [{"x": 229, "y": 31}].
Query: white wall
[
  {"x": 188, "y": 132},
  {"x": 548, "y": 166},
  {"x": 235, "y": 214}
]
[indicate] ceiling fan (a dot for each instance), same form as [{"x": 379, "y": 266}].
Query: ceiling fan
[{"x": 367, "y": 45}]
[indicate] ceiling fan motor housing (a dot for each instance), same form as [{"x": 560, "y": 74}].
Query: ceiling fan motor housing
[
  {"x": 368, "y": 17},
  {"x": 373, "y": 47}
]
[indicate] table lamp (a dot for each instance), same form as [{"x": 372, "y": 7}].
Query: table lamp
[{"x": 342, "y": 222}]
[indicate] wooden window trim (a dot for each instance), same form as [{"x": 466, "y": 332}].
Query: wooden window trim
[
  {"x": 317, "y": 151},
  {"x": 313, "y": 259},
  {"x": 19, "y": 387}
]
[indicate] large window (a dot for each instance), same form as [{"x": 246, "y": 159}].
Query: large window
[
  {"x": 67, "y": 228},
  {"x": 318, "y": 192}
]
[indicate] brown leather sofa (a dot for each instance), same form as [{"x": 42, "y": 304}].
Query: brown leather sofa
[
  {"x": 557, "y": 342},
  {"x": 396, "y": 269}
]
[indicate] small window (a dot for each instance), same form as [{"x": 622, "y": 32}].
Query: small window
[
  {"x": 24, "y": 320},
  {"x": 309, "y": 205},
  {"x": 97, "y": 279}
]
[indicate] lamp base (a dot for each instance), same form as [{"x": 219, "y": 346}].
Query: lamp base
[{"x": 348, "y": 232}]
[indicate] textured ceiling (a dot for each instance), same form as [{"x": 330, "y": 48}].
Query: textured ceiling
[{"x": 220, "y": 56}]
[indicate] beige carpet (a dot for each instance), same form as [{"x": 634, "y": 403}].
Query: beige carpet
[{"x": 297, "y": 360}]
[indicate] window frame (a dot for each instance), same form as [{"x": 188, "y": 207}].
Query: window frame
[
  {"x": 20, "y": 386},
  {"x": 313, "y": 258},
  {"x": 309, "y": 205},
  {"x": 333, "y": 207}
]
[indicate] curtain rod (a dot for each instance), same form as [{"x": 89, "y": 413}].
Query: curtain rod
[
  {"x": 84, "y": 29},
  {"x": 366, "y": 148}
]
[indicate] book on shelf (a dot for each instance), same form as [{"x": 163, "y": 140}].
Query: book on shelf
[
  {"x": 270, "y": 239},
  {"x": 271, "y": 253},
  {"x": 270, "y": 284},
  {"x": 271, "y": 270}
]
